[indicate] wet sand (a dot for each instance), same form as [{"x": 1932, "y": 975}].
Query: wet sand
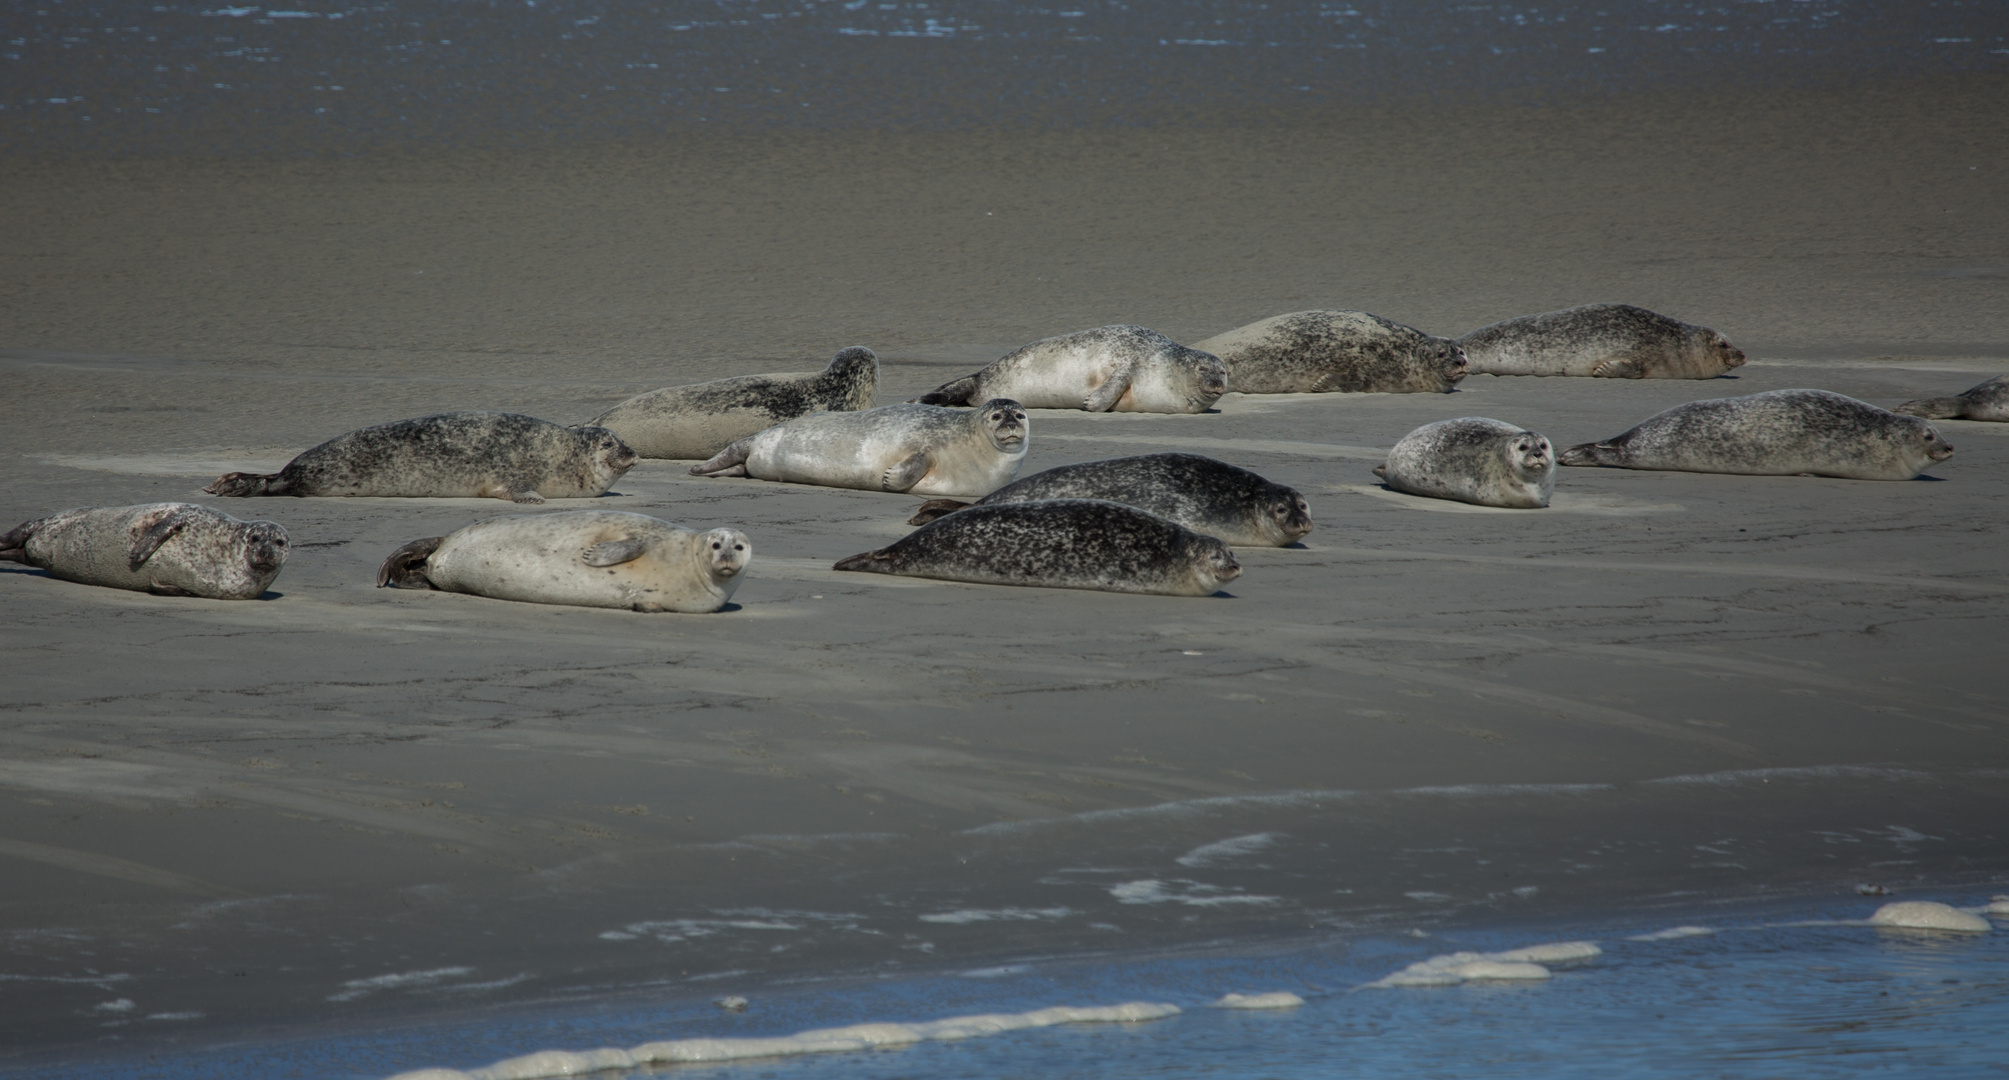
[{"x": 245, "y": 816}]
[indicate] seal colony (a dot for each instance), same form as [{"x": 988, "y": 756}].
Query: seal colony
[
  {"x": 1604, "y": 341},
  {"x": 1476, "y": 460},
  {"x": 1776, "y": 433},
  {"x": 1107, "y": 369},
  {"x": 925, "y": 449},
  {"x": 169, "y": 549},
  {"x": 699, "y": 420},
  {"x": 1336, "y": 351}
]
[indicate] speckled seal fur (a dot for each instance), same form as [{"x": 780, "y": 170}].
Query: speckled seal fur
[
  {"x": 170, "y": 549},
  {"x": 699, "y": 420},
  {"x": 925, "y": 449},
  {"x": 1988, "y": 401},
  {"x": 1776, "y": 433},
  {"x": 1107, "y": 369},
  {"x": 1335, "y": 351},
  {"x": 1060, "y": 544},
  {"x": 1204, "y": 495},
  {"x": 450, "y": 455},
  {"x": 1476, "y": 460},
  {"x": 1606, "y": 341},
  {"x": 584, "y": 558}
]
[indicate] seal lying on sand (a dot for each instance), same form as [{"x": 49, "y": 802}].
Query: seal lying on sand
[
  {"x": 1607, "y": 341},
  {"x": 586, "y": 558},
  {"x": 925, "y": 449},
  {"x": 450, "y": 455},
  {"x": 171, "y": 549},
  {"x": 1107, "y": 369},
  {"x": 1989, "y": 401},
  {"x": 1206, "y": 496},
  {"x": 1776, "y": 433},
  {"x": 699, "y": 420},
  {"x": 1059, "y": 544},
  {"x": 1475, "y": 460},
  {"x": 1320, "y": 352}
]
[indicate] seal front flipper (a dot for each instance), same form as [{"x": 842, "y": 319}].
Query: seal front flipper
[
  {"x": 951, "y": 393},
  {"x": 908, "y": 472},
  {"x": 871, "y": 562},
  {"x": 616, "y": 552},
  {"x": 406, "y": 567},
  {"x": 730, "y": 461},
  {"x": 1593, "y": 454},
  {"x": 245, "y": 485},
  {"x": 1619, "y": 368},
  {"x": 155, "y": 535},
  {"x": 933, "y": 509},
  {"x": 1104, "y": 398}
]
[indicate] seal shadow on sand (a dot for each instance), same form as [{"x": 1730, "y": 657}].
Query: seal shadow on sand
[
  {"x": 1563, "y": 502},
  {"x": 33, "y": 571}
]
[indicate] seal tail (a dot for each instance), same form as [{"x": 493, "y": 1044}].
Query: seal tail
[
  {"x": 1593, "y": 454},
  {"x": 14, "y": 545},
  {"x": 933, "y": 509},
  {"x": 406, "y": 568},
  {"x": 951, "y": 393},
  {"x": 1933, "y": 408},
  {"x": 871, "y": 562},
  {"x": 245, "y": 485},
  {"x": 730, "y": 461}
]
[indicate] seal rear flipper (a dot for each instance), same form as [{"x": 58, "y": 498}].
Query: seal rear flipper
[
  {"x": 871, "y": 562},
  {"x": 933, "y": 509},
  {"x": 406, "y": 567},
  {"x": 244, "y": 485},
  {"x": 1593, "y": 454},
  {"x": 155, "y": 535},
  {"x": 1381, "y": 471},
  {"x": 1933, "y": 408},
  {"x": 730, "y": 461},
  {"x": 951, "y": 393},
  {"x": 14, "y": 545},
  {"x": 905, "y": 474},
  {"x": 616, "y": 552}
]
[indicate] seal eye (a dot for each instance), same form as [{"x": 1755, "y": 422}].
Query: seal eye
[{"x": 716, "y": 545}]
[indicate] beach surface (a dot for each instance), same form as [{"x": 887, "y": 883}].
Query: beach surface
[{"x": 340, "y": 805}]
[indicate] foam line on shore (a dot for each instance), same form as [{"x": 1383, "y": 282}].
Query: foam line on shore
[{"x": 552, "y": 1063}]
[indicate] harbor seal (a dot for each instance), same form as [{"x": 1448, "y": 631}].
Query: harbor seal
[
  {"x": 925, "y": 449},
  {"x": 1605, "y": 341},
  {"x": 699, "y": 420},
  {"x": 1059, "y": 544},
  {"x": 1204, "y": 495},
  {"x": 169, "y": 549},
  {"x": 1776, "y": 433},
  {"x": 1107, "y": 369},
  {"x": 583, "y": 558},
  {"x": 450, "y": 455},
  {"x": 1476, "y": 460},
  {"x": 1988, "y": 401},
  {"x": 1328, "y": 351}
]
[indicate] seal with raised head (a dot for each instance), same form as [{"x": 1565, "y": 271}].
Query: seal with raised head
[
  {"x": 1476, "y": 460},
  {"x": 170, "y": 549},
  {"x": 925, "y": 449},
  {"x": 1059, "y": 544},
  {"x": 699, "y": 420},
  {"x": 1336, "y": 351},
  {"x": 1988, "y": 401},
  {"x": 1776, "y": 433},
  {"x": 450, "y": 455},
  {"x": 584, "y": 558},
  {"x": 1605, "y": 341},
  {"x": 1205, "y": 495},
  {"x": 1107, "y": 369}
]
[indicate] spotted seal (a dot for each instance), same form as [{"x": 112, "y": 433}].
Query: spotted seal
[
  {"x": 925, "y": 449},
  {"x": 1107, "y": 369},
  {"x": 1059, "y": 544},
  {"x": 1204, "y": 495},
  {"x": 170, "y": 549},
  {"x": 1988, "y": 401},
  {"x": 1776, "y": 433},
  {"x": 1328, "y": 351},
  {"x": 1606, "y": 341},
  {"x": 450, "y": 455},
  {"x": 584, "y": 558},
  {"x": 699, "y": 420},
  {"x": 1476, "y": 460}
]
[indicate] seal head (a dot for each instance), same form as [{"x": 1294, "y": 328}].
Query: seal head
[{"x": 1476, "y": 460}]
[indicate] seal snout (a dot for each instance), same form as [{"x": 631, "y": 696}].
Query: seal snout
[
  {"x": 265, "y": 547},
  {"x": 730, "y": 551},
  {"x": 1294, "y": 518}
]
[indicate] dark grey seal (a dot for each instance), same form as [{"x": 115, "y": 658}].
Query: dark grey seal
[
  {"x": 1988, "y": 401},
  {"x": 1207, "y": 496},
  {"x": 170, "y": 549},
  {"x": 1107, "y": 369},
  {"x": 1776, "y": 433},
  {"x": 451, "y": 455},
  {"x": 699, "y": 420},
  {"x": 1606, "y": 341},
  {"x": 1059, "y": 544},
  {"x": 1476, "y": 460},
  {"x": 1334, "y": 351}
]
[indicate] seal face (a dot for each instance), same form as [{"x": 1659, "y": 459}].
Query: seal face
[
  {"x": 1200, "y": 493},
  {"x": 1059, "y": 544},
  {"x": 925, "y": 449},
  {"x": 170, "y": 549},
  {"x": 1476, "y": 460},
  {"x": 450, "y": 455},
  {"x": 1776, "y": 433},
  {"x": 1328, "y": 351},
  {"x": 585, "y": 558},
  {"x": 1606, "y": 341},
  {"x": 1107, "y": 369},
  {"x": 1988, "y": 401},
  {"x": 699, "y": 420}
]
